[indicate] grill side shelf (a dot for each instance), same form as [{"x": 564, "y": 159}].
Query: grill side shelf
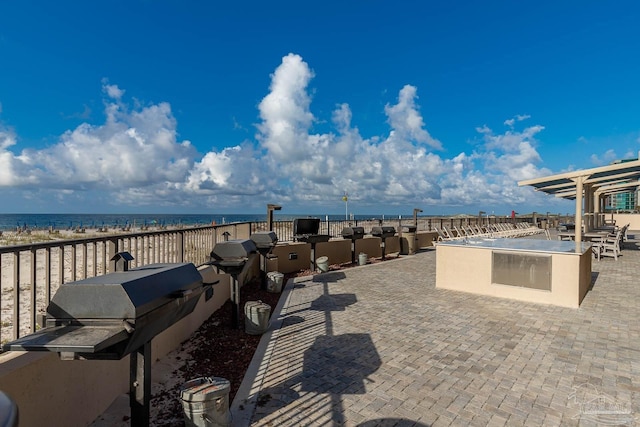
[{"x": 75, "y": 338}]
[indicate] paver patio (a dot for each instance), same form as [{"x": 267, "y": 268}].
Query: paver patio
[{"x": 380, "y": 345}]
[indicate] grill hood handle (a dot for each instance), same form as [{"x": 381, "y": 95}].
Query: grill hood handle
[
  {"x": 128, "y": 326},
  {"x": 210, "y": 283},
  {"x": 186, "y": 292},
  {"x": 181, "y": 293}
]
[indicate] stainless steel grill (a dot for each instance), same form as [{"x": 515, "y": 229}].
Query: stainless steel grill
[
  {"x": 265, "y": 241},
  {"x": 231, "y": 257},
  {"x": 306, "y": 230},
  {"x": 232, "y": 253},
  {"x": 111, "y": 316},
  {"x": 383, "y": 233},
  {"x": 353, "y": 233}
]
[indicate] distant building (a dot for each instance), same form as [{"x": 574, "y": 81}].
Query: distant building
[
  {"x": 622, "y": 201},
  {"x": 626, "y": 201}
]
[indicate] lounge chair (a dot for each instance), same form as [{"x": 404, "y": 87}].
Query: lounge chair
[
  {"x": 441, "y": 235},
  {"x": 448, "y": 232},
  {"x": 460, "y": 232},
  {"x": 470, "y": 231}
]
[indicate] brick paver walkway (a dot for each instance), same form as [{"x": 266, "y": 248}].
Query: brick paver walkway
[{"x": 379, "y": 345}]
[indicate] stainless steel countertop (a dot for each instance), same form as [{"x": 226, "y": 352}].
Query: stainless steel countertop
[{"x": 521, "y": 245}]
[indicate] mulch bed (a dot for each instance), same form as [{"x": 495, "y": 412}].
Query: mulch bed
[{"x": 216, "y": 349}]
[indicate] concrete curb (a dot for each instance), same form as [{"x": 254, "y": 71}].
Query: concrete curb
[{"x": 244, "y": 403}]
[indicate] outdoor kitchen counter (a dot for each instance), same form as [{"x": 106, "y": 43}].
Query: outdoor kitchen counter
[
  {"x": 522, "y": 245},
  {"x": 542, "y": 271}
]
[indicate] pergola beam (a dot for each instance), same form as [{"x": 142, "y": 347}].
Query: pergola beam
[{"x": 587, "y": 186}]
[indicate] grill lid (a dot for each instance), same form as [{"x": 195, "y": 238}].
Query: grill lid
[
  {"x": 240, "y": 248},
  {"x": 353, "y": 232},
  {"x": 306, "y": 226},
  {"x": 123, "y": 295},
  {"x": 264, "y": 239},
  {"x": 306, "y": 230},
  {"x": 384, "y": 231}
]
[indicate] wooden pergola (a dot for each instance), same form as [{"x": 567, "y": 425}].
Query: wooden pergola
[{"x": 588, "y": 187}]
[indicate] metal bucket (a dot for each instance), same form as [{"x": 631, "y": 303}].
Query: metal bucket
[
  {"x": 362, "y": 259},
  {"x": 323, "y": 264},
  {"x": 205, "y": 402},
  {"x": 274, "y": 281},
  {"x": 256, "y": 317}
]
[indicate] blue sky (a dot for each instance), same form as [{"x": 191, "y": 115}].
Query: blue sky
[{"x": 184, "y": 106}]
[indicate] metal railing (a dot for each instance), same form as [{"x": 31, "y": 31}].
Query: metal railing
[{"x": 32, "y": 272}]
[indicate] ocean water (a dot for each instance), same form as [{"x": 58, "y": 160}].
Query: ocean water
[{"x": 69, "y": 221}]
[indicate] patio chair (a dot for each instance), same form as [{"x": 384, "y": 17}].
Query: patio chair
[
  {"x": 624, "y": 235},
  {"x": 609, "y": 245}
]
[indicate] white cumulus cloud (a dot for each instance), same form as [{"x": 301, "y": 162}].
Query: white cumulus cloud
[
  {"x": 604, "y": 159},
  {"x": 135, "y": 158}
]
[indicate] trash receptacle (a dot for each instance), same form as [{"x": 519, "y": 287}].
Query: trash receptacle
[
  {"x": 205, "y": 402},
  {"x": 274, "y": 281},
  {"x": 408, "y": 243},
  {"x": 256, "y": 317},
  {"x": 323, "y": 264}
]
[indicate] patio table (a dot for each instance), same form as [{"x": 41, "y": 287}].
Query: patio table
[{"x": 590, "y": 235}]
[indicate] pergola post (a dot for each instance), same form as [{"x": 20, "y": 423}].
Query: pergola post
[
  {"x": 579, "y": 189},
  {"x": 597, "y": 205},
  {"x": 588, "y": 207}
]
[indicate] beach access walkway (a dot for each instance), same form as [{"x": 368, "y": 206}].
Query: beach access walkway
[{"x": 379, "y": 345}]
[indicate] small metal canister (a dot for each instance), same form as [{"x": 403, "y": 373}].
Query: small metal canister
[
  {"x": 256, "y": 317},
  {"x": 205, "y": 402}
]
